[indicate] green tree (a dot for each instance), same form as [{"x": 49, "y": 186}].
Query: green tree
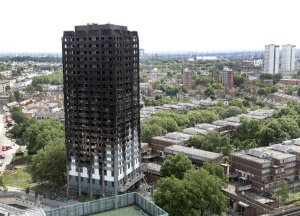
[
  {"x": 29, "y": 88},
  {"x": 203, "y": 80},
  {"x": 17, "y": 95},
  {"x": 173, "y": 197},
  {"x": 176, "y": 165},
  {"x": 148, "y": 131},
  {"x": 201, "y": 116},
  {"x": 277, "y": 77},
  {"x": 144, "y": 77},
  {"x": 210, "y": 142},
  {"x": 169, "y": 89},
  {"x": 2, "y": 185},
  {"x": 55, "y": 78},
  {"x": 49, "y": 163},
  {"x": 41, "y": 133},
  {"x": 261, "y": 91},
  {"x": 209, "y": 92},
  {"x": 248, "y": 130},
  {"x": 231, "y": 111},
  {"x": 7, "y": 88},
  {"x": 260, "y": 103},
  {"x": 237, "y": 103},
  {"x": 239, "y": 80},
  {"x": 17, "y": 115},
  {"x": 278, "y": 130},
  {"x": 183, "y": 89},
  {"x": 265, "y": 76},
  {"x": 216, "y": 170},
  {"x": 290, "y": 90},
  {"x": 181, "y": 119},
  {"x": 290, "y": 126},
  {"x": 284, "y": 190},
  {"x": 17, "y": 72},
  {"x": 217, "y": 86},
  {"x": 205, "y": 192},
  {"x": 3, "y": 66},
  {"x": 271, "y": 132},
  {"x": 198, "y": 193},
  {"x": 19, "y": 129},
  {"x": 168, "y": 123}
]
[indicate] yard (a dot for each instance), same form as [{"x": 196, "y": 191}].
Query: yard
[
  {"x": 19, "y": 178},
  {"x": 21, "y": 160},
  {"x": 126, "y": 211}
]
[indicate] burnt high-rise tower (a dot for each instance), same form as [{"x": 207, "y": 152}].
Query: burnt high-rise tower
[{"x": 102, "y": 121}]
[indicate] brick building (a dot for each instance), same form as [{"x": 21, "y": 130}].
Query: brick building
[
  {"x": 227, "y": 77},
  {"x": 159, "y": 143},
  {"x": 289, "y": 82},
  {"x": 264, "y": 168},
  {"x": 197, "y": 156},
  {"x": 187, "y": 78}
]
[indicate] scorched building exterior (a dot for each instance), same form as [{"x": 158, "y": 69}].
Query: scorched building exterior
[{"x": 101, "y": 96}]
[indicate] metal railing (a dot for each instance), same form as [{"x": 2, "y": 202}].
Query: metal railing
[{"x": 107, "y": 204}]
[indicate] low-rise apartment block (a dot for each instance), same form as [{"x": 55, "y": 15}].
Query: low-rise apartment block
[
  {"x": 265, "y": 167},
  {"x": 197, "y": 156}
]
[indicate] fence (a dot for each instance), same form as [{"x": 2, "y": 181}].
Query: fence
[
  {"x": 107, "y": 204},
  {"x": 31, "y": 198}
]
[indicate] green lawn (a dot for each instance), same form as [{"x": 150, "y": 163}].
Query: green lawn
[
  {"x": 19, "y": 178},
  {"x": 126, "y": 211},
  {"x": 21, "y": 160}
]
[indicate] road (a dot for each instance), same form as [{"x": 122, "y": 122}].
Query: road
[{"x": 8, "y": 154}]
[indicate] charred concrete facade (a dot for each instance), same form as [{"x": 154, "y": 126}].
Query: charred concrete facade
[{"x": 101, "y": 89}]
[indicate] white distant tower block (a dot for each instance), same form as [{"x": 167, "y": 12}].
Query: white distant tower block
[
  {"x": 288, "y": 57},
  {"x": 271, "y": 59}
]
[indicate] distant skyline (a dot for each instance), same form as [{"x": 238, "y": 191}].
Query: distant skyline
[{"x": 163, "y": 26}]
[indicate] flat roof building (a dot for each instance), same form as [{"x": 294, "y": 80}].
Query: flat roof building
[
  {"x": 187, "y": 78},
  {"x": 197, "y": 156},
  {"x": 159, "y": 143},
  {"x": 227, "y": 77},
  {"x": 194, "y": 131},
  {"x": 265, "y": 167},
  {"x": 287, "y": 61},
  {"x": 271, "y": 59}
]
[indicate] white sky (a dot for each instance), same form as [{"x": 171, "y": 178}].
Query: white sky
[{"x": 163, "y": 25}]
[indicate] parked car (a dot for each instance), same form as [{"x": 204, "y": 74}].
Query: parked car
[{"x": 5, "y": 148}]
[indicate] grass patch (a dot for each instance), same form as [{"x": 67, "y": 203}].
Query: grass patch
[
  {"x": 125, "y": 211},
  {"x": 21, "y": 160},
  {"x": 294, "y": 198},
  {"x": 19, "y": 178}
]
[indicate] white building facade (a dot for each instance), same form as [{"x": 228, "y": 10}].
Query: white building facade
[
  {"x": 271, "y": 59},
  {"x": 287, "y": 62},
  {"x": 4, "y": 84}
]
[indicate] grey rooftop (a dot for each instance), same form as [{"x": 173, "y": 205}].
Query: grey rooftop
[{"x": 193, "y": 153}]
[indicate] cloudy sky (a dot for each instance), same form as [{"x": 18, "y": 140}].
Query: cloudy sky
[{"x": 163, "y": 25}]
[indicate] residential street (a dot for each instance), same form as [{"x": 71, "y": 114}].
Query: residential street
[{"x": 8, "y": 154}]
